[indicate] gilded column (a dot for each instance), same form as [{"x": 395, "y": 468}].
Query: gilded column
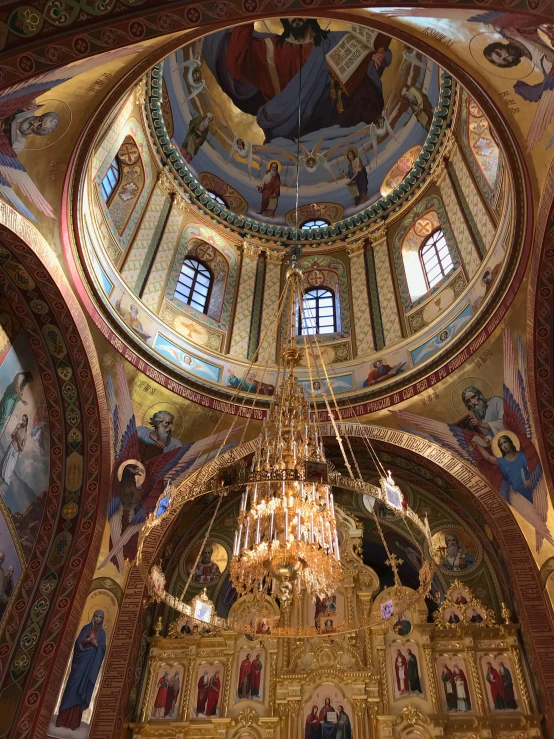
[
  {"x": 385, "y": 284},
  {"x": 272, "y": 289},
  {"x": 431, "y": 680},
  {"x": 272, "y": 683},
  {"x": 245, "y": 298},
  {"x": 470, "y": 651},
  {"x": 360, "y": 299},
  {"x": 523, "y": 692},
  {"x": 227, "y": 687},
  {"x": 365, "y": 601},
  {"x": 382, "y": 656},
  {"x": 147, "y": 689}
]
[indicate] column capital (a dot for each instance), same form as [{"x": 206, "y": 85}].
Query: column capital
[
  {"x": 356, "y": 247},
  {"x": 250, "y": 249},
  {"x": 378, "y": 236},
  {"x": 274, "y": 257}
]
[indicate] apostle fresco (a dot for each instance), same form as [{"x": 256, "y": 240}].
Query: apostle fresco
[
  {"x": 208, "y": 691},
  {"x": 401, "y": 672},
  {"x": 158, "y": 709},
  {"x": 88, "y": 655},
  {"x": 463, "y": 701},
  {"x": 449, "y": 687},
  {"x": 244, "y": 677},
  {"x": 261, "y": 72},
  {"x": 496, "y": 687}
]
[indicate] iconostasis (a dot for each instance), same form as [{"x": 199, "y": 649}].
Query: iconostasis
[{"x": 454, "y": 658}]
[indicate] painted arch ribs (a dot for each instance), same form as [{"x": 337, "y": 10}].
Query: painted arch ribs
[
  {"x": 59, "y": 570},
  {"x": 51, "y": 41}
]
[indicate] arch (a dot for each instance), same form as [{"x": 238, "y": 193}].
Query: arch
[
  {"x": 479, "y": 145},
  {"x": 435, "y": 258},
  {"x": 428, "y": 216},
  {"x": 129, "y": 186},
  {"x": 195, "y": 283},
  {"x": 326, "y": 272},
  {"x": 318, "y": 314},
  {"x": 209, "y": 247},
  {"x": 124, "y": 140},
  {"x": 68, "y": 538}
]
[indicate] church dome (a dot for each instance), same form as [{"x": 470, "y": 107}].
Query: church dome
[{"x": 408, "y": 215}]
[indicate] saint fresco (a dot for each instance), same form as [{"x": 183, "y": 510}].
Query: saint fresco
[
  {"x": 499, "y": 677},
  {"x": 167, "y": 689},
  {"x": 209, "y": 684},
  {"x": 406, "y": 674},
  {"x": 452, "y": 674},
  {"x": 250, "y": 683},
  {"x": 234, "y": 99},
  {"x": 146, "y": 459},
  {"x": 497, "y": 438}
]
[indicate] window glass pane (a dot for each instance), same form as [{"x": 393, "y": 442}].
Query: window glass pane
[{"x": 194, "y": 284}]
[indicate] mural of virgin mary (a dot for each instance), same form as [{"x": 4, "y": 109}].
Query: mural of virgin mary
[{"x": 88, "y": 655}]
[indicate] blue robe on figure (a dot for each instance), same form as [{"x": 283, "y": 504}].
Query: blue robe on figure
[{"x": 87, "y": 661}]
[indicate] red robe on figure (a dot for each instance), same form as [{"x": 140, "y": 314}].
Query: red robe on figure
[
  {"x": 213, "y": 695},
  {"x": 244, "y": 678},
  {"x": 255, "y": 677},
  {"x": 202, "y": 695}
]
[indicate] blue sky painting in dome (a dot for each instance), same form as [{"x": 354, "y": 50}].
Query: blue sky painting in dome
[{"x": 365, "y": 99}]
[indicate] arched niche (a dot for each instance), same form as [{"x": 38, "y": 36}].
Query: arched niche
[{"x": 424, "y": 218}]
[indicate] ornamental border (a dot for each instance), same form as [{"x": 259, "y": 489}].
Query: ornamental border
[{"x": 357, "y": 225}]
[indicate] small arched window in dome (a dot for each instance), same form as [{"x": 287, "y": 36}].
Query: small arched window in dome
[
  {"x": 194, "y": 284},
  {"x": 217, "y": 198},
  {"x": 435, "y": 258},
  {"x": 318, "y": 312},
  {"x": 111, "y": 178},
  {"x": 315, "y": 223}
]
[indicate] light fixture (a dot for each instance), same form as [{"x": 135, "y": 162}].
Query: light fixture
[{"x": 286, "y": 536}]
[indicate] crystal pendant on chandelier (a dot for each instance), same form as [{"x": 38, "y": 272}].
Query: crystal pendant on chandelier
[{"x": 287, "y": 532}]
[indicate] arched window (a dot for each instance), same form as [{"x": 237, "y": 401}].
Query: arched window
[
  {"x": 318, "y": 312},
  {"x": 435, "y": 258},
  {"x": 194, "y": 284},
  {"x": 111, "y": 178},
  {"x": 315, "y": 223},
  {"x": 217, "y": 198}
]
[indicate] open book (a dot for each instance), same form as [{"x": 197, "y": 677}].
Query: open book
[{"x": 348, "y": 60}]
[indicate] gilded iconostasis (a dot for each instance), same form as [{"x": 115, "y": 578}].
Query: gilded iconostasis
[{"x": 160, "y": 168}]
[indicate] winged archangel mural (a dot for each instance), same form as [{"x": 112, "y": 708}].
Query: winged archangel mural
[
  {"x": 497, "y": 438},
  {"x": 22, "y": 118},
  {"x": 145, "y": 460}
]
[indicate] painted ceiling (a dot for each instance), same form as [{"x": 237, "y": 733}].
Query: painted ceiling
[{"x": 366, "y": 105}]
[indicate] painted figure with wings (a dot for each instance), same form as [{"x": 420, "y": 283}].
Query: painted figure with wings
[
  {"x": 311, "y": 160},
  {"x": 379, "y": 130},
  {"x": 144, "y": 463},
  {"x": 21, "y": 118},
  {"x": 193, "y": 70},
  {"x": 497, "y": 438},
  {"x": 243, "y": 149},
  {"x": 524, "y": 39}
]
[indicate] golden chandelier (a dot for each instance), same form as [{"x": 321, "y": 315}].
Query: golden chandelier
[{"x": 287, "y": 532}]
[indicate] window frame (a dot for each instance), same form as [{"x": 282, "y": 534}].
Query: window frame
[
  {"x": 301, "y": 313},
  {"x": 429, "y": 244},
  {"x": 219, "y": 199},
  {"x": 114, "y": 164},
  {"x": 181, "y": 296},
  {"x": 324, "y": 224}
]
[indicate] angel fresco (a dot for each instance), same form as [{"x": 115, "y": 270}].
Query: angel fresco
[
  {"x": 22, "y": 118},
  {"x": 524, "y": 39},
  {"x": 498, "y": 439},
  {"x": 145, "y": 460}
]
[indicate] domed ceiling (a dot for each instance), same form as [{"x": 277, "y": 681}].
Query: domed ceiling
[{"x": 338, "y": 108}]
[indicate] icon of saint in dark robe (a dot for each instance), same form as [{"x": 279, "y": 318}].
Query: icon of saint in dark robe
[{"x": 88, "y": 655}]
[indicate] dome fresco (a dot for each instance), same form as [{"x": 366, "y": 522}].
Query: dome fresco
[{"x": 232, "y": 103}]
